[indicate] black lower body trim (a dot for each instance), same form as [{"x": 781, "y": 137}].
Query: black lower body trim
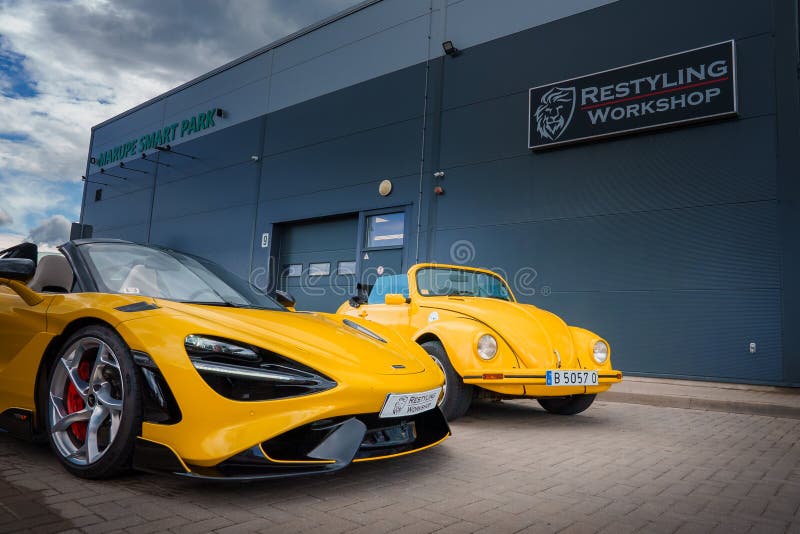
[
  {"x": 18, "y": 423},
  {"x": 382, "y": 437},
  {"x": 428, "y": 428},
  {"x": 322, "y": 447},
  {"x": 151, "y": 456}
]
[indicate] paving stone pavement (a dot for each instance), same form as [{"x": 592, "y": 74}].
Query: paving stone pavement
[{"x": 509, "y": 467}]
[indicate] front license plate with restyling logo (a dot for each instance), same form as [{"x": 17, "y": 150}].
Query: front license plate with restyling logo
[
  {"x": 561, "y": 377},
  {"x": 405, "y": 404}
]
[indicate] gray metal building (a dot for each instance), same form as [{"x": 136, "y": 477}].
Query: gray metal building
[{"x": 675, "y": 239}]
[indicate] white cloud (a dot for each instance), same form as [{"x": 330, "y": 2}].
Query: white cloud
[
  {"x": 5, "y": 218},
  {"x": 51, "y": 231},
  {"x": 93, "y": 59},
  {"x": 9, "y": 240},
  {"x": 27, "y": 199}
]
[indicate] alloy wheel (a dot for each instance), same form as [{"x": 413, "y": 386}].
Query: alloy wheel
[{"x": 86, "y": 399}]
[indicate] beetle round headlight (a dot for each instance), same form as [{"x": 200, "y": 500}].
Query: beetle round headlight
[
  {"x": 600, "y": 352},
  {"x": 487, "y": 347}
]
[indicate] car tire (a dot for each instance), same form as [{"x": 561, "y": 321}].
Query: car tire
[
  {"x": 93, "y": 413},
  {"x": 574, "y": 404},
  {"x": 457, "y": 394}
]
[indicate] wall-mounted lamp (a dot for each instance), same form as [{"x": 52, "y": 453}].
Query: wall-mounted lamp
[
  {"x": 438, "y": 190},
  {"x": 254, "y": 158},
  {"x": 93, "y": 160},
  {"x": 438, "y": 174},
  {"x": 385, "y": 188},
  {"x": 168, "y": 148},
  {"x": 450, "y": 49}
]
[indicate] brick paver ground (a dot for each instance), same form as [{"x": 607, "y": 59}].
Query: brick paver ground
[{"x": 509, "y": 467}]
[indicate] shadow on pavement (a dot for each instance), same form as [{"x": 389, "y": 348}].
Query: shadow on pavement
[{"x": 22, "y": 497}]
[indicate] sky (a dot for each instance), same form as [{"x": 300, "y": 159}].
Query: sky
[{"x": 66, "y": 65}]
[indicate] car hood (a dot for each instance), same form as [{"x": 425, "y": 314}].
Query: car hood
[
  {"x": 535, "y": 335},
  {"x": 319, "y": 340}
]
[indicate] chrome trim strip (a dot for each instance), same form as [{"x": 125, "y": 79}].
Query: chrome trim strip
[{"x": 363, "y": 330}]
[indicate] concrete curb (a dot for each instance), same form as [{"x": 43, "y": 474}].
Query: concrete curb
[{"x": 694, "y": 403}]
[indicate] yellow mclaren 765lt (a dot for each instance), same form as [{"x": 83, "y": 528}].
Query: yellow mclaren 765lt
[{"x": 135, "y": 356}]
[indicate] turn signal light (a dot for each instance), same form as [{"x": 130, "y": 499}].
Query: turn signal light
[{"x": 493, "y": 376}]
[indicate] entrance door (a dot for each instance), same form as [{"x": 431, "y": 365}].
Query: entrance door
[
  {"x": 317, "y": 261},
  {"x": 382, "y": 252}
]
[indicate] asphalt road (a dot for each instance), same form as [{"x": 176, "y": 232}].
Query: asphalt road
[{"x": 509, "y": 467}]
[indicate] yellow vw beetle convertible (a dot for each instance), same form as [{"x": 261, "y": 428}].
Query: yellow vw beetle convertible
[
  {"x": 125, "y": 355},
  {"x": 486, "y": 342}
]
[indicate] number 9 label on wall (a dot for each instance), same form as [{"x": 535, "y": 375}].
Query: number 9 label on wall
[{"x": 571, "y": 378}]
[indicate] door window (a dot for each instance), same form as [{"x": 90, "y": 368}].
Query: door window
[
  {"x": 386, "y": 230},
  {"x": 347, "y": 267},
  {"x": 319, "y": 269}
]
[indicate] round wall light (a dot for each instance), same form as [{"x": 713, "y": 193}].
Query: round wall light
[{"x": 385, "y": 188}]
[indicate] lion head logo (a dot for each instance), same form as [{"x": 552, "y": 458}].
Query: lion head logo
[
  {"x": 401, "y": 403},
  {"x": 555, "y": 112}
]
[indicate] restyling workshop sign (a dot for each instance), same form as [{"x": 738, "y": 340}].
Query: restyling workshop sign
[
  {"x": 162, "y": 136},
  {"x": 689, "y": 86}
]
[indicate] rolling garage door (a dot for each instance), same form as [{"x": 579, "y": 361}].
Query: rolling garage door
[{"x": 317, "y": 261}]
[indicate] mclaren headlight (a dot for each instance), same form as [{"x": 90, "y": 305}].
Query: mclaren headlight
[
  {"x": 600, "y": 352},
  {"x": 487, "y": 347},
  {"x": 209, "y": 346},
  {"x": 242, "y": 372}
]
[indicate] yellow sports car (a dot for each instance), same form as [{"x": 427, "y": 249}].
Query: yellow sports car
[
  {"x": 127, "y": 355},
  {"x": 472, "y": 325}
]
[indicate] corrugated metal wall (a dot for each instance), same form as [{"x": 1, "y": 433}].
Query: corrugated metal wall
[
  {"x": 667, "y": 243},
  {"x": 670, "y": 243}
]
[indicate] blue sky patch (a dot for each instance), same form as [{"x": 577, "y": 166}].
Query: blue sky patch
[
  {"x": 14, "y": 137},
  {"x": 15, "y": 82}
]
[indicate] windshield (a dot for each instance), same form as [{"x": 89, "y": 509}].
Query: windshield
[
  {"x": 397, "y": 283},
  {"x": 444, "y": 281},
  {"x": 162, "y": 273}
]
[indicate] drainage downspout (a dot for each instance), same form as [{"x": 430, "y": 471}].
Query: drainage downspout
[{"x": 424, "y": 126}]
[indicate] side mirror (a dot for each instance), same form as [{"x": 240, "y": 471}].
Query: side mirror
[
  {"x": 285, "y": 299},
  {"x": 395, "y": 299},
  {"x": 17, "y": 269},
  {"x": 22, "y": 251}
]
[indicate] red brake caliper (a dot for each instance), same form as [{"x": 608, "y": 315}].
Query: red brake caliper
[{"x": 75, "y": 402}]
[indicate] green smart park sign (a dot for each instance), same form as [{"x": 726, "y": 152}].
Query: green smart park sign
[{"x": 160, "y": 137}]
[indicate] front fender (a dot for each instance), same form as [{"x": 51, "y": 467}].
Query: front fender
[
  {"x": 584, "y": 340},
  {"x": 459, "y": 336}
]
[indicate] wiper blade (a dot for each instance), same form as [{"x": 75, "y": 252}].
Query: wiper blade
[{"x": 209, "y": 303}]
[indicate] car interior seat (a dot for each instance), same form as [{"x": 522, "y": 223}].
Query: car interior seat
[{"x": 53, "y": 275}]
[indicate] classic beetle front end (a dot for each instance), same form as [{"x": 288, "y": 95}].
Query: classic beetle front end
[{"x": 474, "y": 328}]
